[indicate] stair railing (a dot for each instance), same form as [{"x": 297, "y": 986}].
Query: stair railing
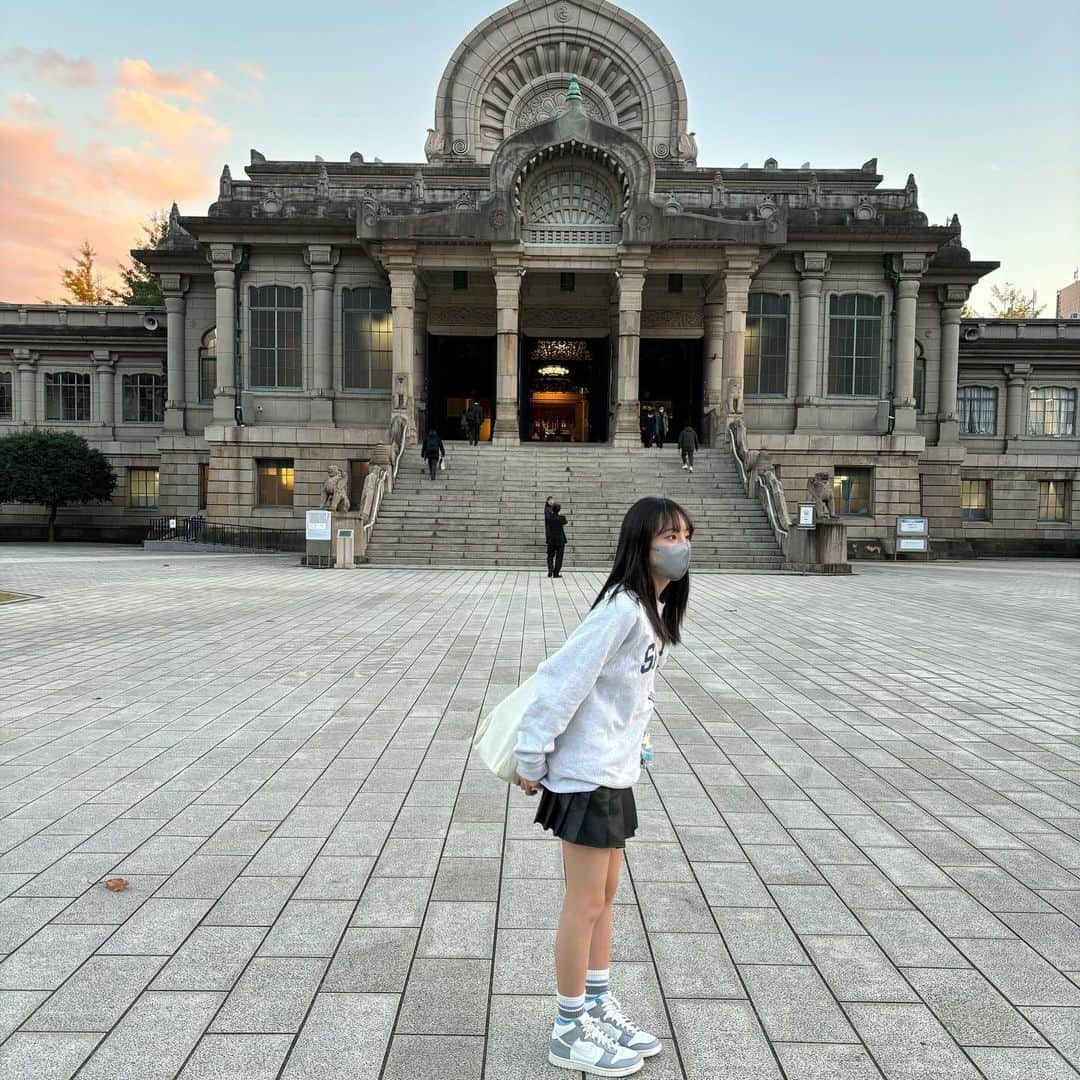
[{"x": 754, "y": 485}]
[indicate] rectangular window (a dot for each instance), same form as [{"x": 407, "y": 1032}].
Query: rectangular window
[
  {"x": 275, "y": 479},
  {"x": 276, "y": 327},
  {"x": 920, "y": 384},
  {"x": 207, "y": 377},
  {"x": 67, "y": 396},
  {"x": 975, "y": 500},
  {"x": 1054, "y": 499},
  {"x": 461, "y": 280},
  {"x": 852, "y": 490},
  {"x": 144, "y": 398},
  {"x": 143, "y": 488},
  {"x": 7, "y": 396},
  {"x": 674, "y": 283},
  {"x": 977, "y": 408},
  {"x": 567, "y": 282},
  {"x": 204, "y": 484},
  {"x": 855, "y": 345},
  {"x": 766, "y": 349},
  {"x": 367, "y": 333},
  {"x": 1052, "y": 411}
]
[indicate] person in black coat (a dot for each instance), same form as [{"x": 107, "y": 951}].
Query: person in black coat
[
  {"x": 433, "y": 451},
  {"x": 648, "y": 426},
  {"x": 688, "y": 443},
  {"x": 555, "y": 535},
  {"x": 661, "y": 427},
  {"x": 475, "y": 417}
]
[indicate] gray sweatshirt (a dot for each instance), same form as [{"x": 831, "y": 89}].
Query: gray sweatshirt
[{"x": 593, "y": 700}]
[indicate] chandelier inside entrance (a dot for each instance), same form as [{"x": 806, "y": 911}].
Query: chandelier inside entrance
[{"x": 556, "y": 353}]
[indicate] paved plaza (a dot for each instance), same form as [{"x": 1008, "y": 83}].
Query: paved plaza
[{"x": 859, "y": 852}]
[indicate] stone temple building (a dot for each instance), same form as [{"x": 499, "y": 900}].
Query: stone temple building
[{"x": 563, "y": 257}]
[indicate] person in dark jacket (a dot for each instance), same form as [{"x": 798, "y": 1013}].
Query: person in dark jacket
[
  {"x": 648, "y": 426},
  {"x": 661, "y": 427},
  {"x": 555, "y": 535},
  {"x": 688, "y": 443},
  {"x": 433, "y": 451},
  {"x": 475, "y": 417}
]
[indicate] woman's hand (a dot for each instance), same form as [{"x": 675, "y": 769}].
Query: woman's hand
[{"x": 530, "y": 787}]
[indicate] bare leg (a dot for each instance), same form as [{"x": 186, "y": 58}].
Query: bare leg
[
  {"x": 600, "y": 946},
  {"x": 586, "y": 870}
]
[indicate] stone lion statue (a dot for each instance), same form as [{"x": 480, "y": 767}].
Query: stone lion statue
[
  {"x": 819, "y": 488},
  {"x": 733, "y": 397},
  {"x": 335, "y": 491}
]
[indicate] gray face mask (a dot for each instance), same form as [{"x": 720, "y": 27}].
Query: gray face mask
[{"x": 670, "y": 561}]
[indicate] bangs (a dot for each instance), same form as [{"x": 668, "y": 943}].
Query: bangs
[{"x": 672, "y": 516}]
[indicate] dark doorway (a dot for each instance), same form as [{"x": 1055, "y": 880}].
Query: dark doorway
[
  {"x": 671, "y": 374},
  {"x": 563, "y": 388},
  {"x": 460, "y": 370}
]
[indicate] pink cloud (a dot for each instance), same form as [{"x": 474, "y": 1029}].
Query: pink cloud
[
  {"x": 191, "y": 84},
  {"x": 168, "y": 123},
  {"x": 250, "y": 69},
  {"x": 53, "y": 67}
]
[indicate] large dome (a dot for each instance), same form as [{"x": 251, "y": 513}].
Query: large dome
[{"x": 513, "y": 69}]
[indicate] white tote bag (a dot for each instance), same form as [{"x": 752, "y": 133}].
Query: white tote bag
[{"x": 496, "y": 734}]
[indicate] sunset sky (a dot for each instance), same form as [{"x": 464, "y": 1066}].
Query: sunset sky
[{"x": 108, "y": 114}]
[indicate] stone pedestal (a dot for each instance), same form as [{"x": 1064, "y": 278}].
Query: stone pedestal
[
  {"x": 354, "y": 521},
  {"x": 821, "y": 550}
]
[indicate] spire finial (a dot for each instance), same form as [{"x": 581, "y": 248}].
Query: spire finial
[{"x": 573, "y": 91}]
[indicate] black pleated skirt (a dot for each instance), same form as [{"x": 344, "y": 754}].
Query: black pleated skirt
[{"x": 603, "y": 818}]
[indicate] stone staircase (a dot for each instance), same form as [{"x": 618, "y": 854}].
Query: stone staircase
[{"x": 486, "y": 509}]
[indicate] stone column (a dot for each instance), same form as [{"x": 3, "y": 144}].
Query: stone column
[
  {"x": 1015, "y": 413},
  {"x": 812, "y": 267},
  {"x": 737, "y": 275},
  {"x": 173, "y": 286},
  {"x": 26, "y": 402},
  {"x": 401, "y": 266},
  {"x": 223, "y": 258},
  {"x": 322, "y": 259},
  {"x": 105, "y": 364},
  {"x": 909, "y": 268},
  {"x": 952, "y": 298},
  {"x": 631, "y": 283},
  {"x": 507, "y": 428},
  {"x": 419, "y": 372},
  {"x": 713, "y": 349}
]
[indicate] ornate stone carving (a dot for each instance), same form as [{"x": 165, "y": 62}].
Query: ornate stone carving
[
  {"x": 225, "y": 184},
  {"x": 563, "y": 13},
  {"x": 819, "y": 490},
  {"x": 738, "y": 430},
  {"x": 661, "y": 150},
  {"x": 688, "y": 148},
  {"x": 460, "y": 147},
  {"x": 464, "y": 201},
  {"x": 672, "y": 206},
  {"x": 434, "y": 144},
  {"x": 671, "y": 319},
  {"x": 779, "y": 499},
  {"x": 733, "y": 397},
  {"x": 335, "y": 491},
  {"x": 417, "y": 189},
  {"x": 771, "y": 163},
  {"x": 644, "y": 222},
  {"x": 271, "y": 203},
  {"x": 911, "y": 193},
  {"x": 322, "y": 184},
  {"x": 497, "y": 219},
  {"x": 766, "y": 208},
  {"x": 369, "y": 209},
  {"x": 401, "y": 391},
  {"x": 549, "y": 103},
  {"x": 865, "y": 210}
]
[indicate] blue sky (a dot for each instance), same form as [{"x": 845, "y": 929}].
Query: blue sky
[{"x": 980, "y": 100}]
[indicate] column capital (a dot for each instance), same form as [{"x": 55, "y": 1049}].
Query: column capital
[
  {"x": 24, "y": 357},
  {"x": 102, "y": 358},
  {"x": 813, "y": 264},
  {"x": 174, "y": 285},
  {"x": 224, "y": 256},
  {"x": 1017, "y": 373},
  {"x": 174, "y": 304},
  {"x": 908, "y": 265},
  {"x": 952, "y": 298},
  {"x": 322, "y": 257},
  {"x": 402, "y": 286}
]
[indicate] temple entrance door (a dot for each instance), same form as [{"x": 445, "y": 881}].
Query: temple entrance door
[
  {"x": 460, "y": 370},
  {"x": 671, "y": 374},
  {"x": 564, "y": 389}
]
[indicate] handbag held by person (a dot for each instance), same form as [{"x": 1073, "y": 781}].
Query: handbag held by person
[{"x": 496, "y": 734}]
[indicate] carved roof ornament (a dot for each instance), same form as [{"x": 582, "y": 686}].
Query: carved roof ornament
[
  {"x": 672, "y": 206},
  {"x": 272, "y": 203},
  {"x": 464, "y": 201},
  {"x": 870, "y": 166},
  {"x": 911, "y": 193},
  {"x": 225, "y": 184},
  {"x": 257, "y": 158},
  {"x": 434, "y": 145},
  {"x": 688, "y": 148},
  {"x": 766, "y": 208},
  {"x": 813, "y": 191},
  {"x": 177, "y": 238},
  {"x": 771, "y": 163},
  {"x": 719, "y": 193},
  {"x": 322, "y": 184},
  {"x": 356, "y": 158},
  {"x": 865, "y": 209}
]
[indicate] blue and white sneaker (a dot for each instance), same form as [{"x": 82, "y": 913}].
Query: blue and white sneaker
[
  {"x": 584, "y": 1046},
  {"x": 607, "y": 1012}
]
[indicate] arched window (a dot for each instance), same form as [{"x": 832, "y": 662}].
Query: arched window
[
  {"x": 855, "y": 345},
  {"x": 1052, "y": 411},
  {"x": 766, "y": 352},
  {"x": 570, "y": 195},
  {"x": 977, "y": 409},
  {"x": 144, "y": 398},
  {"x": 208, "y": 366},
  {"x": 276, "y": 319}
]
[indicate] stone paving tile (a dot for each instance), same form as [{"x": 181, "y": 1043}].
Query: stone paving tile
[
  {"x": 327, "y": 820},
  {"x": 48, "y": 1055},
  {"x": 237, "y": 1057}
]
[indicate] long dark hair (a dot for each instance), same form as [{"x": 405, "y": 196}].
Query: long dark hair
[{"x": 643, "y": 522}]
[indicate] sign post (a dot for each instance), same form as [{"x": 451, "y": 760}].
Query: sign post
[
  {"x": 317, "y": 528},
  {"x": 912, "y": 534}
]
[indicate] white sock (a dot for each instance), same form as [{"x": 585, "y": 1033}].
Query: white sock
[
  {"x": 570, "y": 1008},
  {"x": 596, "y": 982}
]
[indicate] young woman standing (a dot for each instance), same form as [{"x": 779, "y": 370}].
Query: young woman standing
[{"x": 579, "y": 744}]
